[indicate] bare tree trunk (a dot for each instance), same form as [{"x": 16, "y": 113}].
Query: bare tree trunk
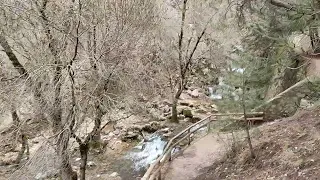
[
  {"x": 252, "y": 155},
  {"x": 96, "y": 136},
  {"x": 66, "y": 171},
  {"x": 84, "y": 148},
  {"x": 24, "y": 147},
  {"x": 174, "y": 116},
  {"x": 313, "y": 30},
  {"x": 24, "y": 139}
]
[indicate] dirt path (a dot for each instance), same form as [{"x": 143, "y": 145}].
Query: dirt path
[{"x": 199, "y": 155}]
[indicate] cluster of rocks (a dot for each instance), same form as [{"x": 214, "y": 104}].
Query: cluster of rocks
[
  {"x": 139, "y": 132},
  {"x": 193, "y": 106}
]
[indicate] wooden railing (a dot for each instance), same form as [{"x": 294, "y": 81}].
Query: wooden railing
[{"x": 154, "y": 171}]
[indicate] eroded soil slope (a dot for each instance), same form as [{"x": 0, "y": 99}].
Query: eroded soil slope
[{"x": 286, "y": 149}]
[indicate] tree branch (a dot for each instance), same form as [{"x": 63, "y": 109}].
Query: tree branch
[
  {"x": 13, "y": 58},
  {"x": 282, "y": 5}
]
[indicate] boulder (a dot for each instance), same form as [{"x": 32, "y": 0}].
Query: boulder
[
  {"x": 214, "y": 108},
  {"x": 202, "y": 110},
  {"x": 187, "y": 113},
  {"x": 130, "y": 136},
  {"x": 116, "y": 132},
  {"x": 195, "y": 93},
  {"x": 151, "y": 127},
  {"x": 9, "y": 157},
  {"x": 167, "y": 102},
  {"x": 184, "y": 96},
  {"x": 166, "y": 109},
  {"x": 155, "y": 114},
  {"x": 187, "y": 102},
  {"x": 167, "y": 135},
  {"x": 162, "y": 118},
  {"x": 114, "y": 174},
  {"x": 136, "y": 128},
  {"x": 195, "y": 119},
  {"x": 165, "y": 130},
  {"x": 180, "y": 117}
]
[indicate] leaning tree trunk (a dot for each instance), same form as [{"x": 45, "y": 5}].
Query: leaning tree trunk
[{"x": 284, "y": 76}]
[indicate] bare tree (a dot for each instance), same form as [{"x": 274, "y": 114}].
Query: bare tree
[
  {"x": 178, "y": 64},
  {"x": 89, "y": 66}
]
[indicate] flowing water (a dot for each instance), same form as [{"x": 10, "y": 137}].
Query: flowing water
[
  {"x": 147, "y": 152},
  {"x": 134, "y": 164}
]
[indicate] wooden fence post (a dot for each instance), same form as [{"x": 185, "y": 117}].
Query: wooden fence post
[
  {"x": 189, "y": 138},
  {"x": 208, "y": 125}
]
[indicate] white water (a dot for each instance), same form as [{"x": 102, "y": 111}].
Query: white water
[{"x": 146, "y": 153}]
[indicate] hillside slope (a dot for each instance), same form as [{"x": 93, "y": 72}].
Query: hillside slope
[{"x": 286, "y": 149}]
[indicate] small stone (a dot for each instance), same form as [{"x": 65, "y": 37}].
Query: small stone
[
  {"x": 111, "y": 134},
  {"x": 165, "y": 130},
  {"x": 77, "y": 159},
  {"x": 91, "y": 164},
  {"x": 114, "y": 174},
  {"x": 116, "y": 132},
  {"x": 195, "y": 93}
]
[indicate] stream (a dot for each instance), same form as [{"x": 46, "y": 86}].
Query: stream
[{"x": 136, "y": 161}]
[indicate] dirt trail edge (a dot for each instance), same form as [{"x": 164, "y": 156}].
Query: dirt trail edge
[{"x": 202, "y": 153}]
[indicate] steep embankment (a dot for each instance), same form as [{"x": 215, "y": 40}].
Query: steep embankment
[{"x": 285, "y": 149}]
